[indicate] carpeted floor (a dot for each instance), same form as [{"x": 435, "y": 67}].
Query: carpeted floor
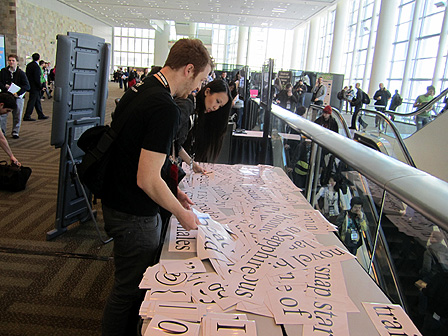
[{"x": 55, "y": 287}]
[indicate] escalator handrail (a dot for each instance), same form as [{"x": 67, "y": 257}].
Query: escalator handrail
[
  {"x": 396, "y": 132},
  {"x": 399, "y": 179},
  {"x": 424, "y": 108}
]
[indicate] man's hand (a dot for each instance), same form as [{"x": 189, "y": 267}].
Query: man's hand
[
  {"x": 188, "y": 220},
  {"x": 184, "y": 199}
]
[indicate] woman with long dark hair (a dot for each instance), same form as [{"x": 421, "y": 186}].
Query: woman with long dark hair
[{"x": 204, "y": 121}]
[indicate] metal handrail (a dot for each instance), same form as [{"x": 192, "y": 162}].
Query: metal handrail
[
  {"x": 399, "y": 179},
  {"x": 426, "y": 107},
  {"x": 396, "y": 132}
]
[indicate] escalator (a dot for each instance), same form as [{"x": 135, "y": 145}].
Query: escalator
[{"x": 398, "y": 233}]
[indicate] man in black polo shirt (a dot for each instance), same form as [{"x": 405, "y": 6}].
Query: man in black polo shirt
[{"x": 134, "y": 186}]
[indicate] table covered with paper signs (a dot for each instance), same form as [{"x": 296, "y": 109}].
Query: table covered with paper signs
[{"x": 263, "y": 262}]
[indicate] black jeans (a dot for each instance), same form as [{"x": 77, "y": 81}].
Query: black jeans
[
  {"x": 33, "y": 102},
  {"x": 136, "y": 241}
]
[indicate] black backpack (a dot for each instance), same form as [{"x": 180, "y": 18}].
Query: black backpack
[
  {"x": 365, "y": 98},
  {"x": 340, "y": 95},
  {"x": 96, "y": 143}
]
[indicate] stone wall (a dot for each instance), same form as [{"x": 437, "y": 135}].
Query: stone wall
[
  {"x": 37, "y": 28},
  {"x": 8, "y": 26}
]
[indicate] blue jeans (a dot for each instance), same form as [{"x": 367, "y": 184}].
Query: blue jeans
[
  {"x": 136, "y": 240},
  {"x": 421, "y": 121}
]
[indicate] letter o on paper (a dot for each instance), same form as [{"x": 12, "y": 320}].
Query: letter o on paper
[{"x": 177, "y": 328}]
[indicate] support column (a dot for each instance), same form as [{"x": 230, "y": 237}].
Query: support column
[
  {"x": 442, "y": 47},
  {"x": 161, "y": 48},
  {"x": 411, "y": 48},
  {"x": 295, "y": 50},
  {"x": 312, "y": 45},
  {"x": 340, "y": 26},
  {"x": 356, "y": 43},
  {"x": 370, "y": 51},
  {"x": 192, "y": 32},
  {"x": 243, "y": 41},
  {"x": 383, "y": 43}
]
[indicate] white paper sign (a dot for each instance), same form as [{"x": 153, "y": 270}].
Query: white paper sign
[
  {"x": 390, "y": 319},
  {"x": 192, "y": 265},
  {"x": 181, "y": 240},
  {"x": 162, "y": 325}
]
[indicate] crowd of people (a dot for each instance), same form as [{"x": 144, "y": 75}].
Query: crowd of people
[{"x": 37, "y": 80}]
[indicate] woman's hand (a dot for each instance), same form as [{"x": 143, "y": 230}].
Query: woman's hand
[{"x": 198, "y": 169}]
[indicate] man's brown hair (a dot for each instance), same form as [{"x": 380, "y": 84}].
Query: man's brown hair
[
  {"x": 189, "y": 51},
  {"x": 15, "y": 56}
]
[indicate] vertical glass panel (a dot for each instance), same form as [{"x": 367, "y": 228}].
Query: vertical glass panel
[
  {"x": 403, "y": 31},
  {"x": 428, "y": 47},
  {"x": 124, "y": 44},
  {"x": 124, "y": 31},
  {"x": 138, "y": 60},
  {"x": 397, "y": 69},
  {"x": 151, "y": 46},
  {"x": 152, "y": 33},
  {"x": 131, "y": 32},
  {"x": 117, "y": 58},
  {"x": 138, "y": 32},
  {"x": 400, "y": 52},
  {"x": 145, "y": 45},
  {"x": 124, "y": 59},
  {"x": 117, "y": 31},
  {"x": 117, "y": 43},
  {"x": 151, "y": 59},
  {"x": 138, "y": 45},
  {"x": 425, "y": 68}
]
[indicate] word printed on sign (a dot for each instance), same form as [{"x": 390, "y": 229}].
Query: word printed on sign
[{"x": 390, "y": 319}]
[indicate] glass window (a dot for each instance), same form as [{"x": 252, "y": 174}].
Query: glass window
[
  {"x": 400, "y": 51},
  {"x": 403, "y": 31},
  {"x": 425, "y": 68},
  {"x": 133, "y": 50},
  {"x": 428, "y": 47},
  {"x": 398, "y": 69},
  {"x": 138, "y": 45}
]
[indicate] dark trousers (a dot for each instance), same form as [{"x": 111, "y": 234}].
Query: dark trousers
[
  {"x": 33, "y": 102},
  {"x": 136, "y": 242}
]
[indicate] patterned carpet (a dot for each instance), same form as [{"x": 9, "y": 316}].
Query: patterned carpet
[{"x": 53, "y": 287}]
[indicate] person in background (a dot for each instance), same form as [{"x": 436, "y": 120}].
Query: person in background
[
  {"x": 381, "y": 97},
  {"x": 319, "y": 92},
  {"x": 301, "y": 89},
  {"x": 203, "y": 124},
  {"x": 326, "y": 120},
  {"x": 287, "y": 99},
  {"x": 10, "y": 75},
  {"x": 342, "y": 96},
  {"x": 224, "y": 76},
  {"x": 394, "y": 103},
  {"x": 351, "y": 223},
  {"x": 330, "y": 204},
  {"x": 349, "y": 95},
  {"x": 33, "y": 73},
  {"x": 7, "y": 105},
  {"x": 358, "y": 102},
  {"x": 134, "y": 188},
  {"x": 423, "y": 118}
]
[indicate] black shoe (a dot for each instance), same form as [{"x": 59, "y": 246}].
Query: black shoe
[
  {"x": 43, "y": 117},
  {"x": 29, "y": 119},
  {"x": 15, "y": 136}
]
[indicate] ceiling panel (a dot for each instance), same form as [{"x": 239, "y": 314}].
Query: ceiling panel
[{"x": 252, "y": 13}]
